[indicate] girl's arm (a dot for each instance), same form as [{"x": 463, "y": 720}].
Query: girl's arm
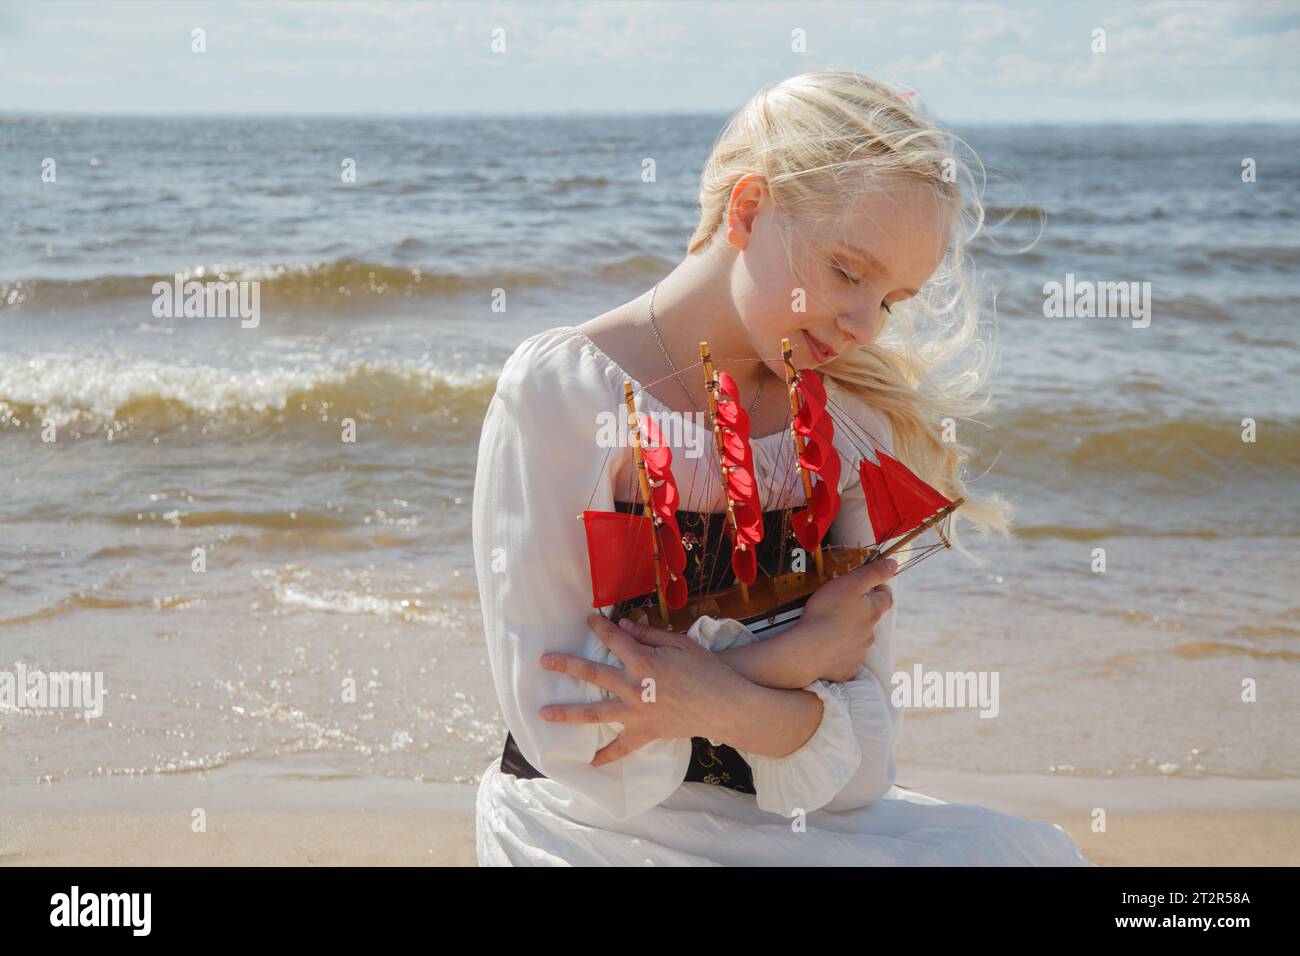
[
  {"x": 848, "y": 761},
  {"x": 539, "y": 464},
  {"x": 775, "y": 662},
  {"x": 777, "y": 722},
  {"x": 829, "y": 642},
  {"x": 665, "y": 685}
]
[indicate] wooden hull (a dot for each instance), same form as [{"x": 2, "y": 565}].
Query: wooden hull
[{"x": 772, "y": 600}]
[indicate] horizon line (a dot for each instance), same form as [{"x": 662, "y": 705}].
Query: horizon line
[{"x": 6, "y": 113}]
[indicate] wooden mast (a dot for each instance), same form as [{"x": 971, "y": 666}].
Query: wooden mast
[
  {"x": 634, "y": 429},
  {"x": 791, "y": 377},
  {"x": 923, "y": 527},
  {"x": 711, "y": 389}
]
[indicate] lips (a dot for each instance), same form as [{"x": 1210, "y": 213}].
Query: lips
[{"x": 818, "y": 349}]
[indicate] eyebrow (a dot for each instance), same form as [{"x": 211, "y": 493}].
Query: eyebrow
[{"x": 870, "y": 260}]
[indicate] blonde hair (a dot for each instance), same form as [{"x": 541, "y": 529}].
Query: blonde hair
[{"x": 816, "y": 137}]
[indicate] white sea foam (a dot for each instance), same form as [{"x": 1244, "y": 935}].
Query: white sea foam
[
  {"x": 80, "y": 390},
  {"x": 349, "y": 602}
]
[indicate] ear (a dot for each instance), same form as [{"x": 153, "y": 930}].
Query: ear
[{"x": 748, "y": 196}]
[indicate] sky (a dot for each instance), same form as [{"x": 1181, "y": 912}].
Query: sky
[{"x": 969, "y": 62}]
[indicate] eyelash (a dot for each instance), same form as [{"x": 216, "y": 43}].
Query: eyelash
[{"x": 883, "y": 305}]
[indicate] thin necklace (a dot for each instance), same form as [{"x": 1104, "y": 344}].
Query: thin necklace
[{"x": 655, "y": 329}]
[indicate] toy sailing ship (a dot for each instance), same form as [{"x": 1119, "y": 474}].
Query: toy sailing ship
[{"x": 639, "y": 560}]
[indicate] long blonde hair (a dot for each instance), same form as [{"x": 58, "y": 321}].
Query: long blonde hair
[{"x": 818, "y": 137}]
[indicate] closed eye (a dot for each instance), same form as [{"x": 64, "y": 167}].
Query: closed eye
[{"x": 845, "y": 275}]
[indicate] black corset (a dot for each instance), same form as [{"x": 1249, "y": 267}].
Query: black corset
[{"x": 708, "y": 568}]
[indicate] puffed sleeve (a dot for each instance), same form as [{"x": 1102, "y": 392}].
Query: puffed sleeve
[
  {"x": 849, "y": 760},
  {"x": 540, "y": 464}
]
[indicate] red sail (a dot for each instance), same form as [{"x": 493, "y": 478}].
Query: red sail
[
  {"x": 897, "y": 500},
  {"x": 742, "y": 487},
  {"x": 820, "y": 459},
  {"x": 619, "y": 548},
  {"x": 664, "y": 499}
]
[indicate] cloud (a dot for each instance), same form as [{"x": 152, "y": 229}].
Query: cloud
[
  {"x": 1015, "y": 70},
  {"x": 994, "y": 22},
  {"x": 603, "y": 54}
]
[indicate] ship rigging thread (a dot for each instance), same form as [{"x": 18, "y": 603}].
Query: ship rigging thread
[{"x": 638, "y": 561}]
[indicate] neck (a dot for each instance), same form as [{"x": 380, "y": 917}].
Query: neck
[{"x": 693, "y": 304}]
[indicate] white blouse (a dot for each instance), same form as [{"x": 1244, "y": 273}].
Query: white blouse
[{"x": 539, "y": 466}]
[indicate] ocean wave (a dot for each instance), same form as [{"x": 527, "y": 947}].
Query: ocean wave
[
  {"x": 84, "y": 391},
  {"x": 302, "y": 589},
  {"x": 1200, "y": 649},
  {"x": 341, "y": 601},
  {"x": 1085, "y": 533},
  {"x": 997, "y": 214},
  {"x": 327, "y": 284},
  {"x": 634, "y": 268},
  {"x": 82, "y": 601},
  {"x": 542, "y": 183},
  {"x": 1074, "y": 533},
  {"x": 1245, "y": 338},
  {"x": 1189, "y": 453},
  {"x": 273, "y": 520},
  {"x": 282, "y": 540},
  {"x": 1250, "y": 259},
  {"x": 336, "y": 285}
]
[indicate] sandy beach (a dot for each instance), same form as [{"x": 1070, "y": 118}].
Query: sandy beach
[
  {"x": 299, "y": 819},
  {"x": 251, "y": 527}
]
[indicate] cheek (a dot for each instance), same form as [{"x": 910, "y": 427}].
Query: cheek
[
  {"x": 769, "y": 271},
  {"x": 804, "y": 296},
  {"x": 776, "y": 302},
  {"x": 768, "y": 318},
  {"x": 763, "y": 290},
  {"x": 875, "y": 326}
]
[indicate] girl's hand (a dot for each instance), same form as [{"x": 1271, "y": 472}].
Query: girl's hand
[
  {"x": 838, "y": 624},
  {"x": 669, "y": 687}
]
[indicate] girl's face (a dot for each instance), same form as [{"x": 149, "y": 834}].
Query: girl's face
[{"x": 850, "y": 275}]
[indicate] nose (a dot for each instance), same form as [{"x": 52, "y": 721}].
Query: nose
[{"x": 859, "y": 327}]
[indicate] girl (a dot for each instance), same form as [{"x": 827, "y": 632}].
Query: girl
[{"x": 832, "y": 215}]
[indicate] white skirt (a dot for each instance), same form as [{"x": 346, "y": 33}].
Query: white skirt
[{"x": 540, "y": 823}]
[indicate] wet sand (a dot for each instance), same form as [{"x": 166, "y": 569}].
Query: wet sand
[
  {"x": 1149, "y": 821},
  {"x": 273, "y": 819}
]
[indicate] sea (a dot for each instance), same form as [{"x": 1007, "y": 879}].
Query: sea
[{"x": 181, "y": 512}]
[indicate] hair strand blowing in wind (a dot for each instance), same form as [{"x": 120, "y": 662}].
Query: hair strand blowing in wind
[{"x": 820, "y": 140}]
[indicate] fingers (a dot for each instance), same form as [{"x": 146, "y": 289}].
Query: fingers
[
  {"x": 623, "y": 645},
  {"x": 621, "y": 746},
  {"x": 873, "y": 573},
  {"x": 602, "y": 675},
  {"x": 649, "y": 635},
  {"x": 881, "y": 597},
  {"x": 603, "y": 712}
]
